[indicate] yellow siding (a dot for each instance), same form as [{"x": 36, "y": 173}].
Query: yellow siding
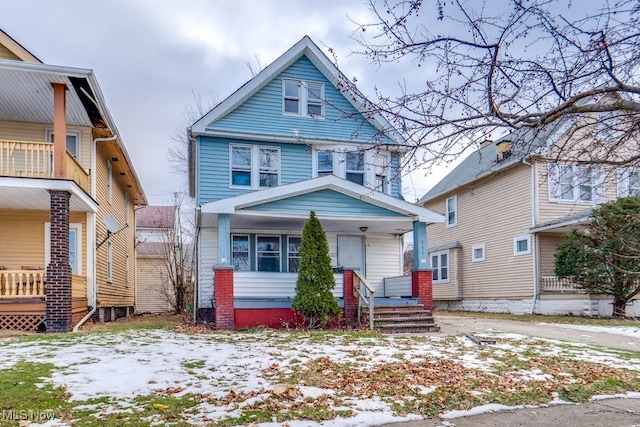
[
  {"x": 151, "y": 294},
  {"x": 120, "y": 291},
  {"x": 7, "y": 54},
  {"x": 450, "y": 290},
  {"x": 492, "y": 211},
  {"x": 548, "y": 242}
]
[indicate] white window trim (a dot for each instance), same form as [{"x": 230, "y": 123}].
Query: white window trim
[
  {"x": 439, "y": 267},
  {"x": 473, "y": 252},
  {"x": 258, "y": 236},
  {"x": 303, "y": 98},
  {"x": 79, "y": 248},
  {"x": 624, "y": 181},
  {"x": 255, "y": 165},
  {"x": 76, "y": 133},
  {"x": 517, "y": 239},
  {"x": 109, "y": 182},
  {"x": 248, "y": 252},
  {"x": 109, "y": 261},
  {"x": 598, "y": 190},
  {"x": 607, "y": 125},
  {"x": 455, "y": 210},
  {"x": 289, "y": 253}
]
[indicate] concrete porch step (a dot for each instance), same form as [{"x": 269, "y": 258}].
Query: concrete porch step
[
  {"x": 407, "y": 328},
  {"x": 402, "y": 319}
]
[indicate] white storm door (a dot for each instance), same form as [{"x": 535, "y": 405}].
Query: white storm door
[{"x": 351, "y": 252}]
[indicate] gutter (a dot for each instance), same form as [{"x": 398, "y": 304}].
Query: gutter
[{"x": 534, "y": 243}]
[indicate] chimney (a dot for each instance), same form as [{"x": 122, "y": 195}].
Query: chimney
[{"x": 504, "y": 150}]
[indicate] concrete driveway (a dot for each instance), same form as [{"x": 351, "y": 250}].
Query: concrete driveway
[{"x": 602, "y": 413}]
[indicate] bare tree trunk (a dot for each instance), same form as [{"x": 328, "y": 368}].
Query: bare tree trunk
[{"x": 619, "y": 307}]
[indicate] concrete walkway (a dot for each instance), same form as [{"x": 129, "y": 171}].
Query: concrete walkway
[{"x": 603, "y": 413}]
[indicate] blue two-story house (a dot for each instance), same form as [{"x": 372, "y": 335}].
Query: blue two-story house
[{"x": 289, "y": 141}]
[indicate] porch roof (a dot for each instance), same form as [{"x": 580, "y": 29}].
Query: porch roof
[
  {"x": 563, "y": 224},
  {"x": 33, "y": 194},
  {"x": 387, "y": 214}
]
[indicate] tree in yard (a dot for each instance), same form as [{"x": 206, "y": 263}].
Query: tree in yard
[
  {"x": 488, "y": 68},
  {"x": 314, "y": 299},
  {"x": 605, "y": 258}
]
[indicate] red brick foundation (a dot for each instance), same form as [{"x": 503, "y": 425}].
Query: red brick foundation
[
  {"x": 422, "y": 288},
  {"x": 58, "y": 290},
  {"x": 350, "y": 310},
  {"x": 223, "y": 294}
]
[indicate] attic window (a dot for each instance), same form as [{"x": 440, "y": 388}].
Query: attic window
[
  {"x": 303, "y": 98},
  {"x": 504, "y": 150}
]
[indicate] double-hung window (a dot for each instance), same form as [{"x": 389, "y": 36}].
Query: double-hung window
[
  {"x": 73, "y": 142},
  {"x": 628, "y": 182},
  {"x": 303, "y": 98},
  {"x": 254, "y": 167},
  {"x": 75, "y": 246},
  {"x": 440, "y": 266},
  {"x": 607, "y": 125},
  {"x": 573, "y": 183},
  {"x": 293, "y": 253},
  {"x": 268, "y": 253},
  {"x": 325, "y": 163},
  {"x": 381, "y": 170},
  {"x": 452, "y": 211},
  {"x": 240, "y": 252},
  {"x": 355, "y": 167}
]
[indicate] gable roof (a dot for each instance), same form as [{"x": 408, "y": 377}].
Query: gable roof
[
  {"x": 16, "y": 48},
  {"x": 483, "y": 162},
  {"x": 231, "y": 205},
  {"x": 156, "y": 217},
  {"x": 305, "y": 47}
]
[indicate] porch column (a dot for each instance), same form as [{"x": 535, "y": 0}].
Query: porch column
[
  {"x": 58, "y": 291},
  {"x": 350, "y": 309},
  {"x": 421, "y": 279},
  {"x": 59, "y": 130},
  {"x": 223, "y": 295},
  {"x": 224, "y": 240}
]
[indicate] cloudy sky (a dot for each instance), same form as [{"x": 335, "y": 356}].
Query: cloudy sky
[{"x": 152, "y": 56}]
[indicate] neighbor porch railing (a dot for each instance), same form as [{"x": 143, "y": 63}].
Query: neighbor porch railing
[
  {"x": 557, "y": 284},
  {"x": 22, "y": 284},
  {"x": 364, "y": 292},
  {"x": 35, "y": 160}
]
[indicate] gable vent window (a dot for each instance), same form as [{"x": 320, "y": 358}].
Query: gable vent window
[{"x": 303, "y": 98}]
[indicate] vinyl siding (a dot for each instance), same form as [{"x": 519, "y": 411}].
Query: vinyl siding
[
  {"x": 383, "y": 255},
  {"x": 214, "y": 172},
  {"x": 492, "y": 212},
  {"x": 5, "y": 53},
  {"x": 548, "y": 242},
  {"x": 326, "y": 202},
  {"x": 119, "y": 292},
  {"x": 151, "y": 294},
  {"x": 208, "y": 254},
  {"x": 450, "y": 290},
  {"x": 263, "y": 112}
]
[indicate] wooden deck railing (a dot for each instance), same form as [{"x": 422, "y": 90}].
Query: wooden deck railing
[
  {"x": 22, "y": 284},
  {"x": 364, "y": 292},
  {"x": 556, "y": 284},
  {"x": 35, "y": 160}
]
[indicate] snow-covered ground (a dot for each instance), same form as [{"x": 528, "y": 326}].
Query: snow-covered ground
[{"x": 123, "y": 365}]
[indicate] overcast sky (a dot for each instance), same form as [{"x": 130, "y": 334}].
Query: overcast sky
[{"x": 152, "y": 56}]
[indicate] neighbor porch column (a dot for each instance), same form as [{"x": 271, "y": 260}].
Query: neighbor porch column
[
  {"x": 58, "y": 305},
  {"x": 421, "y": 279},
  {"x": 59, "y": 130},
  {"x": 350, "y": 309}
]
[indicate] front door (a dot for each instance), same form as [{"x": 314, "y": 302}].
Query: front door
[{"x": 351, "y": 252}]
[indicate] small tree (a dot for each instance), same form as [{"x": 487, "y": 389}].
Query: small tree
[
  {"x": 605, "y": 259},
  {"x": 314, "y": 299}
]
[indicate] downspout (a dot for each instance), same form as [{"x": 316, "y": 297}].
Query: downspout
[
  {"x": 534, "y": 244},
  {"x": 95, "y": 259},
  {"x": 195, "y": 275}
]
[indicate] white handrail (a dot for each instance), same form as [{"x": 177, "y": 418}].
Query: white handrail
[{"x": 358, "y": 292}]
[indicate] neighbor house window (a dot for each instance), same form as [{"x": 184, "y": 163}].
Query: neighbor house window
[
  {"x": 325, "y": 163},
  {"x": 381, "y": 170},
  {"x": 452, "y": 211},
  {"x": 75, "y": 246},
  {"x": 268, "y": 253},
  {"x": 607, "y": 125},
  {"x": 293, "y": 253},
  {"x": 240, "y": 252},
  {"x": 478, "y": 253},
  {"x": 573, "y": 183},
  {"x": 109, "y": 182},
  {"x": 109, "y": 261},
  {"x": 522, "y": 245},
  {"x": 628, "y": 183},
  {"x": 440, "y": 266},
  {"x": 304, "y": 98},
  {"x": 355, "y": 167},
  {"x": 73, "y": 142},
  {"x": 255, "y": 167}
]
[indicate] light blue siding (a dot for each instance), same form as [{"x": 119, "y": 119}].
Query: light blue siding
[
  {"x": 326, "y": 202},
  {"x": 213, "y": 166},
  {"x": 262, "y": 113}
]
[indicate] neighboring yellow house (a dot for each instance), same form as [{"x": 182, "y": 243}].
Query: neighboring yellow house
[
  {"x": 507, "y": 206},
  {"x": 65, "y": 179}
]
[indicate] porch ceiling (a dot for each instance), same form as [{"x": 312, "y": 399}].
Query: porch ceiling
[
  {"x": 33, "y": 194},
  {"x": 351, "y": 225}
]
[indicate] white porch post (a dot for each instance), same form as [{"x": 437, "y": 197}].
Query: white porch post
[
  {"x": 420, "y": 248},
  {"x": 224, "y": 240}
]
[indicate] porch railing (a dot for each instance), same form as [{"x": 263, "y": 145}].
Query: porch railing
[
  {"x": 22, "y": 284},
  {"x": 35, "y": 160},
  {"x": 397, "y": 286},
  {"x": 557, "y": 284},
  {"x": 364, "y": 292}
]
